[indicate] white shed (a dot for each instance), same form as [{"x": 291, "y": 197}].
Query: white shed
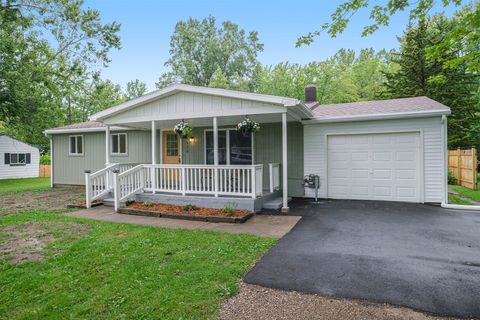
[{"x": 18, "y": 159}]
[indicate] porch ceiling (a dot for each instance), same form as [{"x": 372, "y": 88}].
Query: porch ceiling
[{"x": 208, "y": 121}]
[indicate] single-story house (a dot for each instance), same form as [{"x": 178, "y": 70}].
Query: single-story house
[
  {"x": 18, "y": 159},
  {"x": 392, "y": 150}
]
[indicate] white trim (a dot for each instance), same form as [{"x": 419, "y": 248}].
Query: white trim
[
  {"x": 69, "y": 145},
  {"x": 107, "y": 145},
  {"x": 51, "y": 160},
  {"x": 459, "y": 206},
  {"x": 421, "y": 164},
  {"x": 378, "y": 116},
  {"x": 284, "y": 163},
  {"x": 283, "y": 101},
  {"x": 445, "y": 157},
  {"x": 154, "y": 142},
  {"x": 118, "y": 142},
  {"x": 85, "y": 130},
  {"x": 227, "y": 137}
]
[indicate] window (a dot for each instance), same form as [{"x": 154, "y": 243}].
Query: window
[
  {"x": 76, "y": 145},
  {"x": 119, "y": 143},
  {"x": 233, "y": 148},
  {"x": 172, "y": 145},
  {"x": 17, "y": 159}
]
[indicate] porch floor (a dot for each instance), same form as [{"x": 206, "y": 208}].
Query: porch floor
[{"x": 209, "y": 201}]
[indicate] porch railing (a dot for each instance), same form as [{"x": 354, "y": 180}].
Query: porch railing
[
  {"x": 245, "y": 181},
  {"x": 100, "y": 183},
  {"x": 274, "y": 175}
]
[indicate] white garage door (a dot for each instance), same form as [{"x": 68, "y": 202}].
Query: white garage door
[{"x": 374, "y": 167}]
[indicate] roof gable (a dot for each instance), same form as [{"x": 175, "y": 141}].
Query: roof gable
[{"x": 196, "y": 93}]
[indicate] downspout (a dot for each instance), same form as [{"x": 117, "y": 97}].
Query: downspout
[{"x": 445, "y": 203}]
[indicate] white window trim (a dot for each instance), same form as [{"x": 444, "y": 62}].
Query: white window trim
[
  {"x": 14, "y": 164},
  {"x": 126, "y": 144},
  {"x": 83, "y": 145},
  {"x": 252, "y": 137}
]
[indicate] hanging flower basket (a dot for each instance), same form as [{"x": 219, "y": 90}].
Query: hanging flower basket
[
  {"x": 248, "y": 126},
  {"x": 183, "y": 130}
]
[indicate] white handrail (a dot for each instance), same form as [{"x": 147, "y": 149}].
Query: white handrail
[
  {"x": 274, "y": 175},
  {"x": 242, "y": 180}
]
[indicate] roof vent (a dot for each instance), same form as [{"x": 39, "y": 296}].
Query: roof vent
[{"x": 310, "y": 93}]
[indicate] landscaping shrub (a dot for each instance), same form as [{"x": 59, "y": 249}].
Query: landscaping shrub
[{"x": 451, "y": 178}]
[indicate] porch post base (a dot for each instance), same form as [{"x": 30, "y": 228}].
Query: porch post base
[{"x": 285, "y": 209}]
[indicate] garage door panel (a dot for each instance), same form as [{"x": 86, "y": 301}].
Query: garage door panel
[{"x": 374, "y": 166}]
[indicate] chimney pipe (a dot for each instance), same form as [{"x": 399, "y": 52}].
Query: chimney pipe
[{"x": 310, "y": 93}]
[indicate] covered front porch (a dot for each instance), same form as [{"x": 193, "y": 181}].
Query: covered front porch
[
  {"x": 215, "y": 167},
  {"x": 216, "y": 162}
]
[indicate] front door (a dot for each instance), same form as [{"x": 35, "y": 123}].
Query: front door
[{"x": 171, "y": 148}]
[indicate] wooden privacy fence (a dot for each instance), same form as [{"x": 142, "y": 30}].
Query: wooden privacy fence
[
  {"x": 463, "y": 165},
  {"x": 45, "y": 170}
]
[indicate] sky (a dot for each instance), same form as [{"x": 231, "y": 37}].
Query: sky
[{"x": 146, "y": 27}]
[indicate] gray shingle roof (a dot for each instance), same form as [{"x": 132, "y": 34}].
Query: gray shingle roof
[
  {"x": 402, "y": 105},
  {"x": 81, "y": 125}
]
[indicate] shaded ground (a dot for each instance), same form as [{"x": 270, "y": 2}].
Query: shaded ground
[
  {"x": 420, "y": 256},
  {"x": 31, "y": 241},
  {"x": 255, "y": 302},
  {"x": 51, "y": 199}
]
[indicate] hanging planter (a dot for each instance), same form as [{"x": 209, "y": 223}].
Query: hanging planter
[
  {"x": 183, "y": 130},
  {"x": 247, "y": 126}
]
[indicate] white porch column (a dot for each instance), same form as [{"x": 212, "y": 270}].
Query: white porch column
[
  {"x": 215, "y": 141},
  {"x": 154, "y": 143},
  {"x": 284, "y": 163},
  {"x": 215, "y": 154},
  {"x": 107, "y": 145}
]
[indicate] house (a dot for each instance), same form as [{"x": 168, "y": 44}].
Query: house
[
  {"x": 393, "y": 150},
  {"x": 18, "y": 159}
]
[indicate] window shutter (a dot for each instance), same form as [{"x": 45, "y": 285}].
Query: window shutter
[
  {"x": 7, "y": 158},
  {"x": 28, "y": 158}
]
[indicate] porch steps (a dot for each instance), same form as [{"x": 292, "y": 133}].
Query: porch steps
[{"x": 275, "y": 204}]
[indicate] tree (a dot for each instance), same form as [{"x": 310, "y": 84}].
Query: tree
[
  {"x": 420, "y": 75},
  {"x": 200, "y": 49},
  {"x": 135, "y": 89},
  {"x": 467, "y": 30},
  {"x": 48, "y": 50}
]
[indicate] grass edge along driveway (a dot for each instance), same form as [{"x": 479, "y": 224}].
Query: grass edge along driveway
[{"x": 127, "y": 271}]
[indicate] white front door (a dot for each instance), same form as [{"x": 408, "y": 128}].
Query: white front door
[{"x": 374, "y": 167}]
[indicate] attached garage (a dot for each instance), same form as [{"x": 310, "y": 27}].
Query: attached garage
[
  {"x": 374, "y": 166},
  {"x": 392, "y": 150}
]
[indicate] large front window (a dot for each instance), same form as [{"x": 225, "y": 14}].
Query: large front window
[{"x": 233, "y": 147}]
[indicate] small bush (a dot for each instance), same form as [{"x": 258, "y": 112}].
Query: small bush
[
  {"x": 451, "y": 178},
  {"x": 149, "y": 204},
  {"x": 129, "y": 202},
  {"x": 45, "y": 159},
  {"x": 190, "y": 207},
  {"x": 230, "y": 208}
]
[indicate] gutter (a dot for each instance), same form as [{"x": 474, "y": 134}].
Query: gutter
[{"x": 378, "y": 116}]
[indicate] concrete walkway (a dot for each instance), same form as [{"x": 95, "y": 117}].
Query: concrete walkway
[{"x": 261, "y": 225}]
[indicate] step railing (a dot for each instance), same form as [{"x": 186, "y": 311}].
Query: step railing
[
  {"x": 274, "y": 175},
  {"x": 100, "y": 183},
  {"x": 243, "y": 181}
]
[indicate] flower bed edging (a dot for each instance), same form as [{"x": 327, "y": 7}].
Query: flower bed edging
[{"x": 171, "y": 215}]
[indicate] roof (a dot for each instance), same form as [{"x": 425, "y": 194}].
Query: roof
[
  {"x": 378, "y": 108},
  {"x": 88, "y": 126},
  {"x": 81, "y": 125},
  {"x": 284, "y": 101},
  {"x": 20, "y": 141}
]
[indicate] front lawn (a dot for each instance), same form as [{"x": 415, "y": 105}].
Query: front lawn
[
  {"x": 25, "y": 184},
  {"x": 118, "y": 271}
]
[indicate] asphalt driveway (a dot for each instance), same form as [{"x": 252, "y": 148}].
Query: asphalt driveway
[{"x": 420, "y": 256}]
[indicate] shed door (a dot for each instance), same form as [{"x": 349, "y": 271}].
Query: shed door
[{"x": 374, "y": 167}]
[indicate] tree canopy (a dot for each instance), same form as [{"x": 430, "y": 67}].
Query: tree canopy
[{"x": 200, "y": 50}]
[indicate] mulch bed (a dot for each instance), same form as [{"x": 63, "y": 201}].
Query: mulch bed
[{"x": 178, "y": 212}]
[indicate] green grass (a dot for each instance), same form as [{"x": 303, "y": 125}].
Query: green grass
[
  {"x": 121, "y": 271},
  {"x": 467, "y": 193},
  {"x": 456, "y": 200},
  {"x": 25, "y": 184}
]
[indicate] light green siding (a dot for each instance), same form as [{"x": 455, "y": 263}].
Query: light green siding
[{"x": 69, "y": 169}]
